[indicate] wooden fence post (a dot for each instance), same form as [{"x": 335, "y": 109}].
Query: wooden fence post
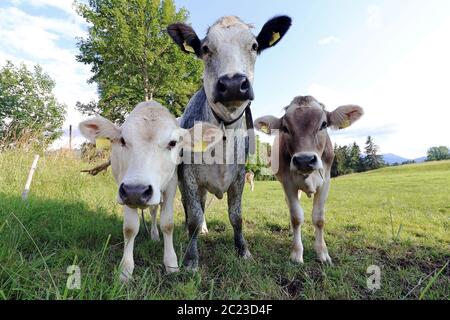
[
  {"x": 30, "y": 177},
  {"x": 70, "y": 137}
]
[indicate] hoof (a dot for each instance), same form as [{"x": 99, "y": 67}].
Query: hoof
[
  {"x": 246, "y": 255},
  {"x": 191, "y": 265},
  {"x": 324, "y": 258},
  {"x": 204, "y": 229},
  {"x": 155, "y": 237},
  {"x": 125, "y": 277},
  {"x": 170, "y": 270},
  {"x": 297, "y": 257}
]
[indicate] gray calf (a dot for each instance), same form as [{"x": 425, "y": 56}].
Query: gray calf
[{"x": 229, "y": 52}]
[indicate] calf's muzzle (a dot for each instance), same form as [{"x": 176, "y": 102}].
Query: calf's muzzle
[
  {"x": 135, "y": 195},
  {"x": 233, "y": 88},
  {"x": 305, "y": 162}
]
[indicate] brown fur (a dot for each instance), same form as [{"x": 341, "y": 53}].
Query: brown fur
[{"x": 303, "y": 120}]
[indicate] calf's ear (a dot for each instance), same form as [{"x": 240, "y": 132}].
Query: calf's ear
[
  {"x": 344, "y": 116},
  {"x": 99, "y": 127},
  {"x": 202, "y": 137},
  {"x": 267, "y": 124},
  {"x": 272, "y": 32},
  {"x": 185, "y": 37}
]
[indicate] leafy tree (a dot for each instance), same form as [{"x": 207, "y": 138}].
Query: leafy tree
[
  {"x": 372, "y": 160},
  {"x": 259, "y": 163},
  {"x": 342, "y": 163},
  {"x": 438, "y": 153},
  {"x": 132, "y": 57},
  {"x": 28, "y": 105}
]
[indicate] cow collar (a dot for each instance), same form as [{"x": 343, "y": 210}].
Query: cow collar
[
  {"x": 248, "y": 117},
  {"x": 248, "y": 123}
]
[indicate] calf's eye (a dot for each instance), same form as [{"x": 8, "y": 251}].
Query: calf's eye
[
  {"x": 171, "y": 144},
  {"x": 255, "y": 47},
  {"x": 122, "y": 141},
  {"x": 205, "y": 49},
  {"x": 324, "y": 125}
]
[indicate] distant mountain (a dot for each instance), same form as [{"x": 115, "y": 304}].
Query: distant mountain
[{"x": 391, "y": 158}]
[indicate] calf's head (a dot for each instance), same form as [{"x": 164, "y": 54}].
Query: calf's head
[
  {"x": 303, "y": 132},
  {"x": 146, "y": 150},
  {"x": 229, "y": 53}
]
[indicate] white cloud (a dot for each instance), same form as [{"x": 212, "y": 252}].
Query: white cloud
[
  {"x": 48, "y": 41},
  {"x": 65, "y": 6},
  {"x": 374, "y": 17},
  {"x": 328, "y": 40},
  {"x": 408, "y": 110}
]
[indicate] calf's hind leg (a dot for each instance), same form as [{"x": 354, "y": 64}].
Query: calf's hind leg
[
  {"x": 204, "y": 227},
  {"x": 154, "y": 231}
]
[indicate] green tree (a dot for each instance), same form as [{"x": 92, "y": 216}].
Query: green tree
[
  {"x": 372, "y": 159},
  {"x": 28, "y": 105},
  {"x": 438, "y": 153},
  {"x": 354, "y": 158},
  {"x": 132, "y": 57},
  {"x": 341, "y": 161},
  {"x": 259, "y": 163}
]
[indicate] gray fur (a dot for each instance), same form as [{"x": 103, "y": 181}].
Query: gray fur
[
  {"x": 196, "y": 111},
  {"x": 197, "y": 179}
]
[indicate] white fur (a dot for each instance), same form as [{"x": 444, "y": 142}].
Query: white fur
[{"x": 146, "y": 159}]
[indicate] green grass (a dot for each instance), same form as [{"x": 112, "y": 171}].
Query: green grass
[{"x": 395, "y": 218}]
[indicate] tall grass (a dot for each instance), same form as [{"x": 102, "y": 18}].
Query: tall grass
[{"x": 72, "y": 218}]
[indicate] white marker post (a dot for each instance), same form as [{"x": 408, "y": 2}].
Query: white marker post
[{"x": 30, "y": 177}]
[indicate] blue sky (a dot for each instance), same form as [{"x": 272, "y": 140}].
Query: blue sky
[{"x": 390, "y": 57}]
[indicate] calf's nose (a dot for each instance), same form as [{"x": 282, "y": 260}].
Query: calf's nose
[
  {"x": 304, "y": 162},
  {"x": 233, "y": 88},
  {"x": 135, "y": 195}
]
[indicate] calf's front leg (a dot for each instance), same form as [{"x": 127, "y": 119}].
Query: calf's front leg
[
  {"x": 318, "y": 218},
  {"x": 167, "y": 226},
  {"x": 297, "y": 219},
  {"x": 194, "y": 214},
  {"x": 234, "y": 197},
  {"x": 130, "y": 230}
]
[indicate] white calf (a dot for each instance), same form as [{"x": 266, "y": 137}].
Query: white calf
[{"x": 145, "y": 154}]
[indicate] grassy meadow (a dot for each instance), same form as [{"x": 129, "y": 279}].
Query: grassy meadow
[{"x": 397, "y": 218}]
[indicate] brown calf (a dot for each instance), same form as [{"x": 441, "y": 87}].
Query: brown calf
[{"x": 302, "y": 156}]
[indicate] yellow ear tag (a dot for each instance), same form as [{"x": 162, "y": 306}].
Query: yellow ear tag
[
  {"x": 264, "y": 128},
  {"x": 102, "y": 144},
  {"x": 188, "y": 48},
  {"x": 345, "y": 124},
  {"x": 275, "y": 37},
  {"x": 200, "y": 146}
]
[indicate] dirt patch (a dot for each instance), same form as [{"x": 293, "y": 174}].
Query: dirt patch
[
  {"x": 219, "y": 228},
  {"x": 293, "y": 288},
  {"x": 276, "y": 228},
  {"x": 352, "y": 228}
]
